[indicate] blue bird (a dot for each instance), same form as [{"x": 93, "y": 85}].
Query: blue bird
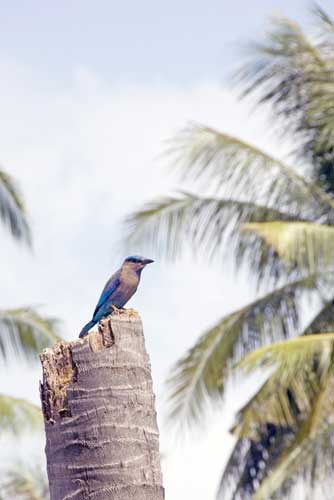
[{"x": 118, "y": 290}]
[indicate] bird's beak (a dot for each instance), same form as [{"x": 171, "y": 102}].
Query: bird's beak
[{"x": 148, "y": 261}]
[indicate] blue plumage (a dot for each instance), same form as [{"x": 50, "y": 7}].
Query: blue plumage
[{"x": 118, "y": 289}]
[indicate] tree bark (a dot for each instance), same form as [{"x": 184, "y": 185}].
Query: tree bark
[{"x": 102, "y": 440}]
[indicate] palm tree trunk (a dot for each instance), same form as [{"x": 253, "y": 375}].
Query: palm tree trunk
[{"x": 102, "y": 440}]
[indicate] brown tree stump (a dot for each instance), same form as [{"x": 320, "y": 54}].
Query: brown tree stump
[{"x": 102, "y": 440}]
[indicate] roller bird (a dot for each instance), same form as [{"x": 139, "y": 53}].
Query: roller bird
[{"x": 118, "y": 290}]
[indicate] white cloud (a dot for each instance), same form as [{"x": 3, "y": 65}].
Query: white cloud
[{"x": 85, "y": 156}]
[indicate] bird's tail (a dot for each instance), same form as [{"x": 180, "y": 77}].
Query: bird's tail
[{"x": 86, "y": 328}]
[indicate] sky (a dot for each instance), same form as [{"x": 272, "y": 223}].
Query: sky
[{"x": 89, "y": 95}]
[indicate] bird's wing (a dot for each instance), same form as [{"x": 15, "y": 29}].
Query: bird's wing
[{"x": 110, "y": 287}]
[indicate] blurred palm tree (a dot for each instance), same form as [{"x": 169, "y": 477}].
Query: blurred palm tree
[
  {"x": 18, "y": 415},
  {"x": 280, "y": 223},
  {"x": 23, "y": 332},
  {"x": 24, "y": 482}
]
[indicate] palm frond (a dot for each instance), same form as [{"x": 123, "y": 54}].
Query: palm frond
[
  {"x": 292, "y": 355},
  {"x": 18, "y": 415},
  {"x": 298, "y": 366},
  {"x": 24, "y": 332},
  {"x": 251, "y": 461},
  {"x": 269, "y": 420},
  {"x": 12, "y": 210},
  {"x": 326, "y": 22},
  {"x": 199, "y": 376},
  {"x": 24, "y": 482},
  {"x": 209, "y": 222},
  {"x": 270, "y": 465},
  {"x": 218, "y": 160},
  {"x": 282, "y": 66},
  {"x": 282, "y": 412},
  {"x": 308, "y": 245},
  {"x": 323, "y": 321},
  {"x": 311, "y": 447},
  {"x": 168, "y": 223},
  {"x": 294, "y": 73}
]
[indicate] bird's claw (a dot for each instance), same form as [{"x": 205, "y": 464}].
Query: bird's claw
[
  {"x": 121, "y": 310},
  {"x": 116, "y": 310}
]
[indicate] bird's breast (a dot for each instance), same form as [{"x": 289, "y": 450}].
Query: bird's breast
[{"x": 128, "y": 286}]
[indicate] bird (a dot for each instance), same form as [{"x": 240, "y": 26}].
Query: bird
[{"x": 118, "y": 289}]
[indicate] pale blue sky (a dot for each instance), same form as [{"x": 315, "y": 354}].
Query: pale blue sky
[{"x": 138, "y": 40}]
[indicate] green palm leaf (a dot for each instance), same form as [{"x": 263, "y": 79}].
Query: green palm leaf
[
  {"x": 288, "y": 58},
  {"x": 12, "y": 210},
  {"x": 298, "y": 367},
  {"x": 287, "y": 393},
  {"x": 271, "y": 418},
  {"x": 295, "y": 402},
  {"x": 218, "y": 160},
  {"x": 294, "y": 73},
  {"x": 24, "y": 482},
  {"x": 309, "y": 245},
  {"x": 24, "y": 332},
  {"x": 200, "y": 375},
  {"x": 314, "y": 435},
  {"x": 292, "y": 356},
  {"x": 17, "y": 415},
  {"x": 166, "y": 224},
  {"x": 208, "y": 222}
]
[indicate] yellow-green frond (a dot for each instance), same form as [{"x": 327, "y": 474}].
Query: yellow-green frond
[
  {"x": 292, "y": 355},
  {"x": 297, "y": 369},
  {"x": 281, "y": 429},
  {"x": 308, "y": 245},
  {"x": 310, "y": 448}
]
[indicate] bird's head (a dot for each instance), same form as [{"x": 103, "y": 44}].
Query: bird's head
[{"x": 136, "y": 262}]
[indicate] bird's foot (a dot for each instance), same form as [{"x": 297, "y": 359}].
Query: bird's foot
[
  {"x": 116, "y": 310},
  {"x": 121, "y": 310}
]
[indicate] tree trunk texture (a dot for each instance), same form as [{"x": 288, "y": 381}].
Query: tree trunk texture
[{"x": 102, "y": 439}]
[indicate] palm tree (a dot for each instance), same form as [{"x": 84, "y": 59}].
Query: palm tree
[
  {"x": 23, "y": 332},
  {"x": 280, "y": 223}
]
